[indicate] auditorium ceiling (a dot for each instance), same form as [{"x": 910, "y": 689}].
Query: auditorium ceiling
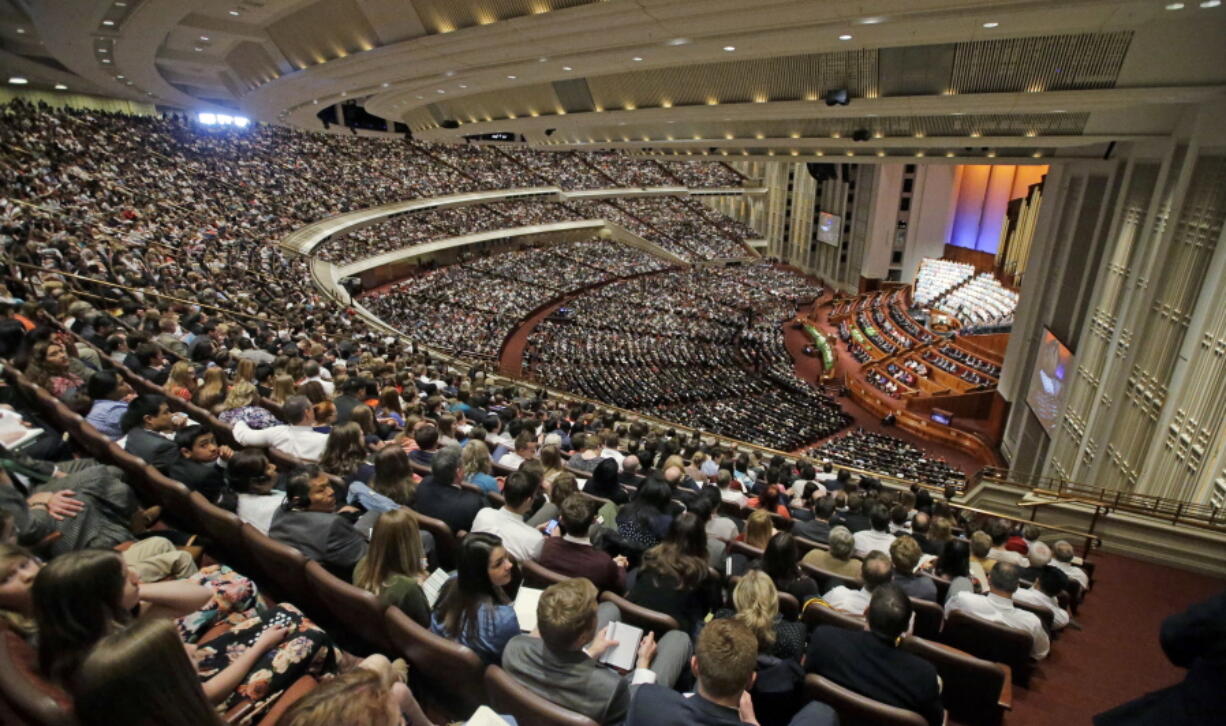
[{"x": 1003, "y": 79}]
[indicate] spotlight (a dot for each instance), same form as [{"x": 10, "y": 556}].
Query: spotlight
[{"x": 837, "y": 97}]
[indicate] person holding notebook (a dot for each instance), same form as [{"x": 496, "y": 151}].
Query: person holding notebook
[{"x": 567, "y": 663}]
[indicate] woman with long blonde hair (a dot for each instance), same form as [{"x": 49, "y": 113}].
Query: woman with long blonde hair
[
  {"x": 242, "y": 404},
  {"x": 282, "y": 388},
  {"x": 475, "y": 460},
  {"x": 759, "y": 529},
  {"x": 213, "y": 393},
  {"x": 182, "y": 381},
  {"x": 395, "y": 565},
  {"x": 757, "y": 606}
]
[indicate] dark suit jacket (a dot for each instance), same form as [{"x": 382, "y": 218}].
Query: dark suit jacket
[
  {"x": 324, "y": 537},
  {"x": 659, "y": 706},
  {"x": 864, "y": 663},
  {"x": 457, "y": 507},
  {"x": 344, "y": 407},
  {"x": 155, "y": 449},
  {"x": 578, "y": 560},
  {"x": 208, "y": 479},
  {"x": 816, "y": 530},
  {"x": 854, "y": 522},
  {"x": 572, "y": 680}
]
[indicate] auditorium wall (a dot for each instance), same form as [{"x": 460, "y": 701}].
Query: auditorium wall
[{"x": 1131, "y": 259}]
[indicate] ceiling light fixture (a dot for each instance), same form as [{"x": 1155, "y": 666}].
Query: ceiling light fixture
[
  {"x": 463, "y": 85},
  {"x": 729, "y": 48},
  {"x": 1210, "y": 4},
  {"x": 845, "y": 36},
  {"x": 108, "y": 23},
  {"x": 61, "y": 87},
  {"x": 106, "y": 60},
  {"x": 991, "y": 25},
  {"x": 386, "y": 84},
  {"x": 17, "y": 80},
  {"x": 512, "y": 77},
  {"x": 204, "y": 37},
  {"x": 102, "y": 50},
  {"x": 567, "y": 68},
  {"x": 679, "y": 41},
  {"x": 870, "y": 21},
  {"x": 21, "y": 31},
  {"x": 198, "y": 49},
  {"x": 235, "y": 13},
  {"x": 637, "y": 58},
  {"x": 1174, "y": 6}
]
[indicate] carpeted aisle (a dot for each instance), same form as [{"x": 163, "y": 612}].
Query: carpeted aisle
[{"x": 1117, "y": 657}]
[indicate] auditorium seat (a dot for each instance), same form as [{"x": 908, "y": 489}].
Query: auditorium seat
[
  {"x": 279, "y": 567},
  {"x": 359, "y": 611},
  {"x": 857, "y": 710},
  {"x": 827, "y": 580},
  {"x": 641, "y": 617},
  {"x": 976, "y": 692},
  {"x": 509, "y": 696},
  {"x": 446, "y": 673},
  {"x": 991, "y": 641},
  {"x": 225, "y": 533},
  {"x": 175, "y": 498},
  {"x": 1046, "y": 617},
  {"x": 25, "y": 696},
  {"x": 539, "y": 576},
  {"x": 446, "y": 544},
  {"x": 929, "y": 617},
  {"x": 816, "y": 614}
]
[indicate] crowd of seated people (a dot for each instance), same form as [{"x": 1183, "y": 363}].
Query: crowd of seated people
[
  {"x": 881, "y": 452},
  {"x": 699, "y": 346},
  {"x": 883, "y": 383},
  {"x": 935, "y": 278},
  {"x": 967, "y": 374},
  {"x": 979, "y": 364},
  {"x": 356, "y": 511},
  {"x": 916, "y": 367},
  {"x": 982, "y": 301},
  {"x": 472, "y": 306},
  {"x": 904, "y": 376}
]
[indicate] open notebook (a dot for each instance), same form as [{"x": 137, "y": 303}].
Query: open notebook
[
  {"x": 434, "y": 585},
  {"x": 622, "y": 655}
]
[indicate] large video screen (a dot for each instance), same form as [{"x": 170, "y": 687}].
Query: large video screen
[
  {"x": 829, "y": 228},
  {"x": 1053, "y": 371}
]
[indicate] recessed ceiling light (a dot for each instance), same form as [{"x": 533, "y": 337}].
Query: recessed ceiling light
[
  {"x": 637, "y": 58},
  {"x": 991, "y": 25},
  {"x": 17, "y": 80},
  {"x": 463, "y": 85},
  {"x": 108, "y": 23},
  {"x": 441, "y": 91},
  {"x": 870, "y": 21},
  {"x": 106, "y": 60},
  {"x": 1059, "y": 110},
  {"x": 386, "y": 84},
  {"x": 1211, "y": 3},
  {"x": 102, "y": 50},
  {"x": 316, "y": 102},
  {"x": 1174, "y": 6},
  {"x": 21, "y": 31},
  {"x": 512, "y": 77},
  {"x": 61, "y": 87},
  {"x": 198, "y": 49},
  {"x": 121, "y": 5},
  {"x": 121, "y": 77},
  {"x": 567, "y": 68},
  {"x": 235, "y": 13},
  {"x": 729, "y": 48},
  {"x": 845, "y": 36},
  {"x": 679, "y": 41}
]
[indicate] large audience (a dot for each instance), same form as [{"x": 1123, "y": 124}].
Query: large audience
[
  {"x": 141, "y": 291},
  {"x": 881, "y": 452}
]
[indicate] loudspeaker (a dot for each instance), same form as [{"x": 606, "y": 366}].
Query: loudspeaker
[
  {"x": 549, "y": 132},
  {"x": 860, "y": 135},
  {"x": 822, "y": 172},
  {"x": 837, "y": 97},
  {"x": 450, "y": 123}
]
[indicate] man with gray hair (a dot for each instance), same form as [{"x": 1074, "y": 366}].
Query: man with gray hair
[
  {"x": 1040, "y": 557},
  {"x": 441, "y": 496},
  {"x": 297, "y": 438},
  {"x": 1063, "y": 554},
  {"x": 838, "y": 558},
  {"x": 997, "y": 606}
]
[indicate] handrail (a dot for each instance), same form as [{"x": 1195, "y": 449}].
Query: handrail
[
  {"x": 266, "y": 317},
  {"x": 1178, "y": 511}
]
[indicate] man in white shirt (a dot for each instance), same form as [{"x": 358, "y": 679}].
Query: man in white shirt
[
  {"x": 1063, "y": 553},
  {"x": 524, "y": 542},
  {"x": 877, "y": 537},
  {"x": 312, "y": 372},
  {"x": 525, "y": 449},
  {"x": 997, "y": 607},
  {"x": 876, "y": 571},
  {"x": 723, "y": 479},
  {"x": 298, "y": 438},
  {"x": 999, "y": 532},
  {"x": 610, "y": 451},
  {"x": 1043, "y": 594}
]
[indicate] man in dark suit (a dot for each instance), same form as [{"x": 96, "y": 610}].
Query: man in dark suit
[
  {"x": 870, "y": 663},
  {"x": 573, "y": 554},
  {"x": 311, "y": 523},
  {"x": 854, "y": 518},
  {"x": 725, "y": 663},
  {"x": 349, "y": 399},
  {"x": 145, "y": 423},
  {"x": 818, "y": 529},
  {"x": 197, "y": 465},
  {"x": 629, "y": 474},
  {"x": 559, "y": 667},
  {"x": 441, "y": 496}
]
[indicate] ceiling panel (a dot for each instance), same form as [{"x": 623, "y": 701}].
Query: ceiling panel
[
  {"x": 321, "y": 32},
  {"x": 518, "y": 102},
  {"x": 769, "y": 79},
  {"x": 444, "y": 16},
  {"x": 251, "y": 65},
  {"x": 1049, "y": 63}
]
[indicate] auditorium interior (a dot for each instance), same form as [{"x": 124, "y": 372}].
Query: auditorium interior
[{"x": 377, "y": 361}]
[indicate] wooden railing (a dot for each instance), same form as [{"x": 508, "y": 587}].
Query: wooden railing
[{"x": 1175, "y": 511}]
